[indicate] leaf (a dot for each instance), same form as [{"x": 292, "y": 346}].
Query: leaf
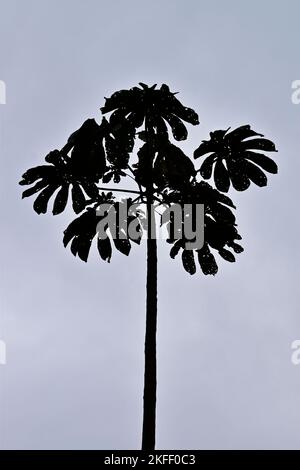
[
  {"x": 207, "y": 166},
  {"x": 33, "y": 174},
  {"x": 78, "y": 198},
  {"x": 61, "y": 200},
  {"x": 239, "y": 179},
  {"x": 40, "y": 205},
  {"x": 179, "y": 130},
  {"x": 207, "y": 261},
  {"x": 122, "y": 245},
  {"x": 104, "y": 248},
  {"x": 188, "y": 115},
  {"x": 259, "y": 144},
  {"x": 227, "y": 255},
  {"x": 71, "y": 231},
  {"x": 188, "y": 261},
  {"x": 255, "y": 174},
  {"x": 81, "y": 231},
  {"x": 221, "y": 176},
  {"x": 74, "y": 246},
  {"x": 118, "y": 99},
  {"x": 241, "y": 133},
  {"x": 206, "y": 146},
  {"x": 218, "y": 136},
  {"x": 263, "y": 161},
  {"x": 162, "y": 130},
  {"x": 34, "y": 189},
  {"x": 175, "y": 248},
  {"x": 143, "y": 85},
  {"x": 83, "y": 247},
  {"x": 236, "y": 247},
  {"x": 91, "y": 189},
  {"x": 223, "y": 213},
  {"x": 170, "y": 103},
  {"x": 233, "y": 149},
  {"x": 226, "y": 200}
]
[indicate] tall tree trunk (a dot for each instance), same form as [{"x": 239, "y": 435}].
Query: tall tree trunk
[{"x": 148, "y": 440}]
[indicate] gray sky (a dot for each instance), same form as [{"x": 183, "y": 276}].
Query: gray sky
[{"x": 75, "y": 331}]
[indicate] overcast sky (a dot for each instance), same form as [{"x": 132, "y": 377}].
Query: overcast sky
[{"x": 74, "y": 331}]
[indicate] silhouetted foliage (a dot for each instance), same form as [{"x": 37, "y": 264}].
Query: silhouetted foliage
[
  {"x": 102, "y": 152},
  {"x": 97, "y": 154},
  {"x": 233, "y": 159}
]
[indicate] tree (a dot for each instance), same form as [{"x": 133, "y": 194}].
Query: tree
[{"x": 100, "y": 153}]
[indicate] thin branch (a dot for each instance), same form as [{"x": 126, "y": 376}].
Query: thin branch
[
  {"x": 129, "y": 176},
  {"x": 120, "y": 190}
]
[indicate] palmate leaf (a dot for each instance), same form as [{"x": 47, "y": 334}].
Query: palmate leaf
[
  {"x": 131, "y": 106},
  {"x": 48, "y": 179},
  {"x": 220, "y": 230},
  {"x": 81, "y": 170},
  {"x": 80, "y": 233},
  {"x": 205, "y": 257},
  {"x": 233, "y": 158},
  {"x": 129, "y": 109},
  {"x": 169, "y": 102},
  {"x": 83, "y": 230}
]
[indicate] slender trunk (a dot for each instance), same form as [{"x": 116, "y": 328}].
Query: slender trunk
[{"x": 148, "y": 440}]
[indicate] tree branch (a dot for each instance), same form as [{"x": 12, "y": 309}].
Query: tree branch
[{"x": 120, "y": 190}]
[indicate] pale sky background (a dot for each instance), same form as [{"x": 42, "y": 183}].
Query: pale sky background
[{"x": 75, "y": 331}]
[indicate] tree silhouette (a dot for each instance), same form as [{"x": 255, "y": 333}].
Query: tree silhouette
[{"x": 100, "y": 153}]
